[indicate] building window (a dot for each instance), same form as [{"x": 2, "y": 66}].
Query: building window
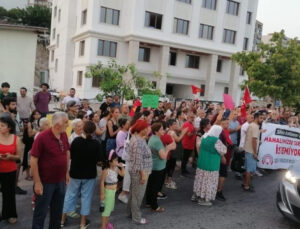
[
  {"x": 249, "y": 17},
  {"x": 242, "y": 72},
  {"x": 52, "y": 55},
  {"x": 181, "y": 26},
  {"x": 229, "y": 36},
  {"x": 232, "y": 7},
  {"x": 79, "y": 78},
  {"x": 192, "y": 61},
  {"x": 56, "y": 65},
  {"x": 226, "y": 90},
  {"x": 57, "y": 40},
  {"x": 59, "y": 14},
  {"x": 172, "y": 58},
  {"x": 81, "y": 48},
  {"x": 206, "y": 31},
  {"x": 209, "y": 4},
  {"x": 83, "y": 17},
  {"x": 202, "y": 90},
  {"x": 153, "y": 20},
  {"x": 144, "y": 54},
  {"x": 245, "y": 44},
  {"x": 96, "y": 82},
  {"x": 219, "y": 65},
  {"x": 53, "y": 33},
  {"x": 154, "y": 84},
  {"x": 185, "y": 1},
  {"x": 55, "y": 11},
  {"x": 109, "y": 16},
  {"x": 107, "y": 48}
]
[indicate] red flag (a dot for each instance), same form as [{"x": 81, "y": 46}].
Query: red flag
[
  {"x": 246, "y": 100},
  {"x": 195, "y": 89},
  {"x": 136, "y": 104}
]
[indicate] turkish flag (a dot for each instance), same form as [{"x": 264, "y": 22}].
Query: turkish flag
[
  {"x": 136, "y": 104},
  {"x": 195, "y": 89},
  {"x": 246, "y": 100}
]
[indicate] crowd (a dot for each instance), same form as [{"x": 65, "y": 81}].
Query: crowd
[{"x": 136, "y": 153}]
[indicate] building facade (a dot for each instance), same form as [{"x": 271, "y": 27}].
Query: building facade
[
  {"x": 186, "y": 41},
  {"x": 257, "y": 35}
]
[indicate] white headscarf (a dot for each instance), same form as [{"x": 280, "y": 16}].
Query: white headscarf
[{"x": 214, "y": 131}]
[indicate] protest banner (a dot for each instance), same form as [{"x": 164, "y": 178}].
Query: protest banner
[
  {"x": 150, "y": 101},
  {"x": 228, "y": 102},
  {"x": 280, "y": 147}
]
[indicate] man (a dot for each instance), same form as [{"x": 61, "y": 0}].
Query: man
[
  {"x": 159, "y": 111},
  {"x": 284, "y": 118},
  {"x": 4, "y": 92},
  {"x": 70, "y": 97},
  {"x": 244, "y": 129},
  {"x": 25, "y": 105},
  {"x": 125, "y": 112},
  {"x": 49, "y": 164},
  {"x": 201, "y": 115},
  {"x": 188, "y": 142},
  {"x": 116, "y": 102},
  {"x": 106, "y": 105},
  {"x": 42, "y": 100},
  {"x": 234, "y": 128},
  {"x": 251, "y": 148},
  {"x": 86, "y": 107}
]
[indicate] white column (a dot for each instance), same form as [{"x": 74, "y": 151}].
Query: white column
[
  {"x": 163, "y": 66},
  {"x": 133, "y": 52},
  {"x": 234, "y": 82},
  {"x": 211, "y": 77}
]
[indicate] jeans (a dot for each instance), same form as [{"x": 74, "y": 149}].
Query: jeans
[
  {"x": 8, "y": 186},
  {"x": 53, "y": 197},
  {"x": 154, "y": 186},
  {"x": 86, "y": 188},
  {"x": 186, "y": 154}
]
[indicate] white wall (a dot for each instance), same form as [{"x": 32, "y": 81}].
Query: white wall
[{"x": 17, "y": 58}]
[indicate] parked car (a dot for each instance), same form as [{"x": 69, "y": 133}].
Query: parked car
[{"x": 288, "y": 195}]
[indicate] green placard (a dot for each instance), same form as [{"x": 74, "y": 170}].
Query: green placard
[{"x": 150, "y": 101}]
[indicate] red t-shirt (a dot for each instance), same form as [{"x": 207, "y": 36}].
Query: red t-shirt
[
  {"x": 167, "y": 140},
  {"x": 8, "y": 166},
  {"x": 52, "y": 156},
  {"x": 188, "y": 142}
]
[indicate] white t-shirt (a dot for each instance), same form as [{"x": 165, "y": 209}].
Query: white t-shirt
[
  {"x": 197, "y": 122},
  {"x": 69, "y": 98},
  {"x": 244, "y": 129}
]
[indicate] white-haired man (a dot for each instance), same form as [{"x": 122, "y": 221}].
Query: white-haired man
[{"x": 49, "y": 162}]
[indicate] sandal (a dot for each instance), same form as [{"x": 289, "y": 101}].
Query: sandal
[
  {"x": 12, "y": 220},
  {"x": 143, "y": 221},
  {"x": 159, "y": 210}
]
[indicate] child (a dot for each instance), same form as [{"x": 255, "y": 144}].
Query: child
[{"x": 108, "y": 187}]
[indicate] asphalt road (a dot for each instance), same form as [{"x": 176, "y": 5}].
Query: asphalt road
[{"x": 241, "y": 210}]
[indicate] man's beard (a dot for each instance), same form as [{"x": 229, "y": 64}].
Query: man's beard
[{"x": 12, "y": 110}]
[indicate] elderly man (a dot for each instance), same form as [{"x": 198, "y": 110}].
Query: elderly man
[{"x": 49, "y": 163}]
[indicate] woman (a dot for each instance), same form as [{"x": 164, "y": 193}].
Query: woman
[
  {"x": 95, "y": 118},
  {"x": 148, "y": 116},
  {"x": 86, "y": 107},
  {"x": 10, "y": 152},
  {"x": 112, "y": 129},
  {"x": 77, "y": 127},
  {"x": 72, "y": 110},
  {"x": 179, "y": 118},
  {"x": 83, "y": 172},
  {"x": 159, "y": 156},
  {"x": 30, "y": 131},
  {"x": 139, "y": 167},
  {"x": 208, "y": 165}
]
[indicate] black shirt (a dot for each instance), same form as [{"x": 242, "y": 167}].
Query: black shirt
[{"x": 85, "y": 153}]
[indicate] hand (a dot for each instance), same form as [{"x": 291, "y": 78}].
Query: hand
[
  {"x": 67, "y": 178},
  {"x": 263, "y": 130},
  {"x": 6, "y": 157},
  {"x": 171, "y": 146},
  {"x": 238, "y": 128},
  {"x": 223, "y": 160},
  {"x": 120, "y": 165},
  {"x": 38, "y": 189},
  {"x": 143, "y": 179},
  {"x": 255, "y": 156},
  {"x": 184, "y": 131},
  {"x": 102, "y": 197}
]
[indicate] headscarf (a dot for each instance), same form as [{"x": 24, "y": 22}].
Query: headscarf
[
  {"x": 139, "y": 126},
  {"x": 214, "y": 131}
]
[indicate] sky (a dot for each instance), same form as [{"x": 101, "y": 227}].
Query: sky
[{"x": 280, "y": 14}]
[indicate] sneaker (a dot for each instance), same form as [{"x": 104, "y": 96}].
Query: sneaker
[
  {"x": 220, "y": 196},
  {"x": 194, "y": 198},
  {"x": 162, "y": 197},
  {"x": 123, "y": 198},
  {"x": 20, "y": 191},
  {"x": 171, "y": 185},
  {"x": 257, "y": 173},
  {"x": 204, "y": 203}
]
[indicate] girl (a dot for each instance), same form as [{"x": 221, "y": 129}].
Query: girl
[
  {"x": 112, "y": 129},
  {"x": 108, "y": 187}
]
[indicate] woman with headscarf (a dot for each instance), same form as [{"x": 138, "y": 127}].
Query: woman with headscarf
[{"x": 212, "y": 151}]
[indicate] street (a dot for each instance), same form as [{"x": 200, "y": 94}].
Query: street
[{"x": 241, "y": 210}]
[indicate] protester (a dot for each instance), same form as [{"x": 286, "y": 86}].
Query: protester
[
  {"x": 86, "y": 107},
  {"x": 124, "y": 110},
  {"x": 106, "y": 105},
  {"x": 10, "y": 152},
  {"x": 50, "y": 152},
  {"x": 42, "y": 100},
  {"x": 112, "y": 129},
  {"x": 4, "y": 92},
  {"x": 139, "y": 167},
  {"x": 108, "y": 186},
  {"x": 116, "y": 102},
  {"x": 77, "y": 127},
  {"x": 148, "y": 116},
  {"x": 70, "y": 97},
  {"x": 83, "y": 171},
  {"x": 72, "y": 110},
  {"x": 25, "y": 105}
]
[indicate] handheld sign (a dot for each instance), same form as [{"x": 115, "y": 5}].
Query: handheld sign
[
  {"x": 228, "y": 101},
  {"x": 150, "y": 101}
]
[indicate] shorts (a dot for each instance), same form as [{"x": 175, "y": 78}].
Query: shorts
[
  {"x": 109, "y": 202},
  {"x": 223, "y": 170},
  {"x": 250, "y": 162}
]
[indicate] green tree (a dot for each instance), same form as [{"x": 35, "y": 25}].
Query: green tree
[
  {"x": 120, "y": 80},
  {"x": 274, "y": 70}
]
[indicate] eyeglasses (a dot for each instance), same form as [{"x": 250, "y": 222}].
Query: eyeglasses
[{"x": 61, "y": 145}]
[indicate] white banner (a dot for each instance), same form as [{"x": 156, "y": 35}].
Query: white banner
[{"x": 280, "y": 146}]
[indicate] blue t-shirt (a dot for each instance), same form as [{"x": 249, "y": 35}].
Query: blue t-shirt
[{"x": 234, "y": 135}]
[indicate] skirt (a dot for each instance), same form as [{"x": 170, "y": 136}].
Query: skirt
[{"x": 206, "y": 184}]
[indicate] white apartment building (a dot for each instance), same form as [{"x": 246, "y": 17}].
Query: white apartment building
[{"x": 190, "y": 41}]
